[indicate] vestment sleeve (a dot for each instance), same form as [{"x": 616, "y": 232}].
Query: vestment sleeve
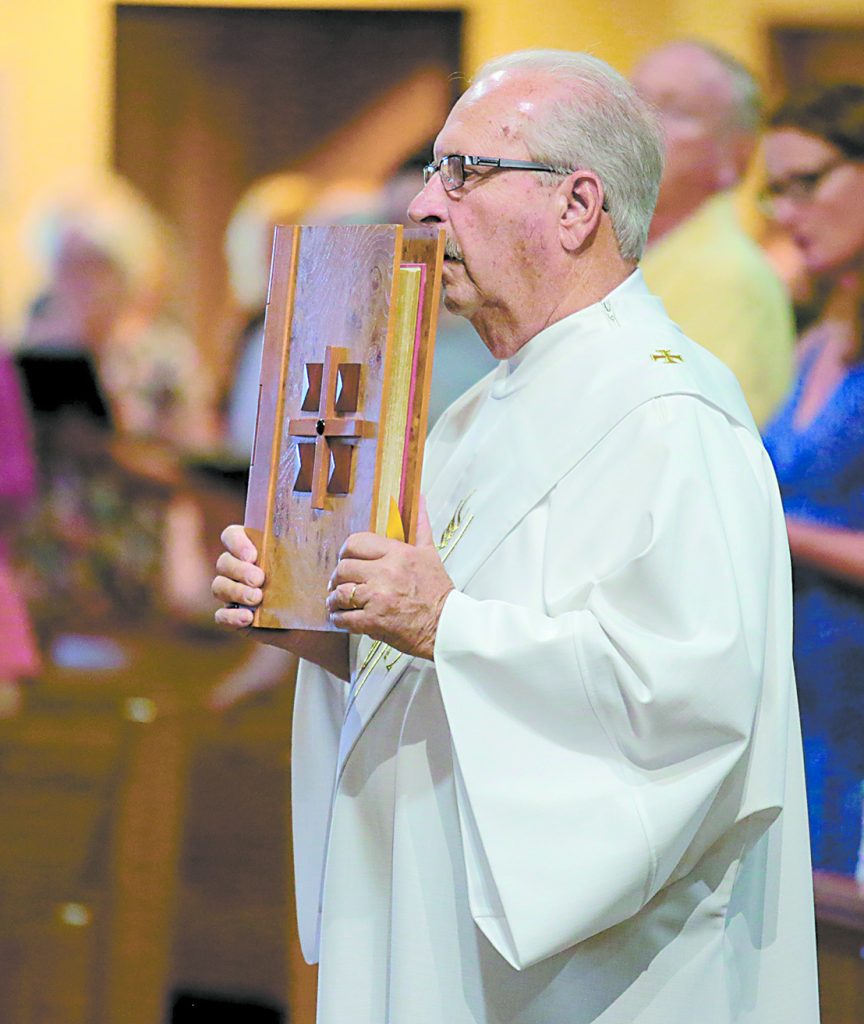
[{"x": 601, "y": 743}]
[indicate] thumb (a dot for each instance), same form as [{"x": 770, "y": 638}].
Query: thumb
[{"x": 423, "y": 538}]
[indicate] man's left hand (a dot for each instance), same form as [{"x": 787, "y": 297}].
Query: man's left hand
[{"x": 391, "y": 591}]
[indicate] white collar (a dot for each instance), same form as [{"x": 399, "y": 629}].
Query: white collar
[{"x": 515, "y": 372}]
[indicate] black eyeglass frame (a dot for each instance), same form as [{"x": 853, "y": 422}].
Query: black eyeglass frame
[{"x": 502, "y": 163}]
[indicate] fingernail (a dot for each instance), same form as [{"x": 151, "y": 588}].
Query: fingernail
[
  {"x": 251, "y": 596},
  {"x": 245, "y": 617}
]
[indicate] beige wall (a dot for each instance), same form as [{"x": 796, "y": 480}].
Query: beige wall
[{"x": 56, "y": 75}]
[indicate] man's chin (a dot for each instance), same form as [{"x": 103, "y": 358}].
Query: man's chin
[
  {"x": 456, "y": 300},
  {"x": 451, "y": 304},
  {"x": 460, "y": 296}
]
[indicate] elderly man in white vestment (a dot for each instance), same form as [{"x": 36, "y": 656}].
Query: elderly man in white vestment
[{"x": 551, "y": 772}]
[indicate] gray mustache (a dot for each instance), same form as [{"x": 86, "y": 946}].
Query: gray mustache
[{"x": 452, "y": 250}]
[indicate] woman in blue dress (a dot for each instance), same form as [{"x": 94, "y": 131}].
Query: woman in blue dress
[{"x": 815, "y": 163}]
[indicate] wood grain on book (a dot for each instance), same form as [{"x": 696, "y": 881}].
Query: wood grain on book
[{"x": 347, "y": 358}]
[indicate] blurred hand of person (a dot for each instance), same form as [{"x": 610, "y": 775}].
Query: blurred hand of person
[{"x": 266, "y": 668}]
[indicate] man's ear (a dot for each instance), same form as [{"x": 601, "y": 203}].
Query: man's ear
[{"x": 580, "y": 201}]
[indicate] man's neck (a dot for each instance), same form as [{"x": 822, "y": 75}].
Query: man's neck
[{"x": 504, "y": 336}]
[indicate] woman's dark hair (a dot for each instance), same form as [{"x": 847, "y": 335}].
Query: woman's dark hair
[{"x": 834, "y": 113}]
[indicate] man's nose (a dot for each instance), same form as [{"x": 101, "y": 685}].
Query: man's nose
[{"x": 429, "y": 205}]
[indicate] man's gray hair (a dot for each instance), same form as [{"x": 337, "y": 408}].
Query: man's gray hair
[{"x": 601, "y": 125}]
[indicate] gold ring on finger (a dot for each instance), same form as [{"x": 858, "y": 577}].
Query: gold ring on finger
[{"x": 352, "y": 601}]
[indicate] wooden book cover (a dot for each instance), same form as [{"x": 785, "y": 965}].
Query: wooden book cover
[{"x": 343, "y": 400}]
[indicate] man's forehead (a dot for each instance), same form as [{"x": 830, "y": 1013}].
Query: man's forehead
[{"x": 494, "y": 109}]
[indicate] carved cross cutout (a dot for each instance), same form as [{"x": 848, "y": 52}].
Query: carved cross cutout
[{"x": 332, "y": 390}]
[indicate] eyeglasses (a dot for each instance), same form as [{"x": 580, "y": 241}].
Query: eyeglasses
[
  {"x": 797, "y": 188},
  {"x": 452, "y": 168}
]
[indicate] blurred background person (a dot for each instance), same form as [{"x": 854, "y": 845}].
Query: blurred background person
[
  {"x": 108, "y": 264},
  {"x": 345, "y": 201},
  {"x": 815, "y": 165},
  {"x": 288, "y": 197},
  {"x": 18, "y": 655},
  {"x": 276, "y": 199},
  {"x": 714, "y": 280},
  {"x": 110, "y": 480}
]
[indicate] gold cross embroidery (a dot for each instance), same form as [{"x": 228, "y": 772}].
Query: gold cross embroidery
[{"x": 666, "y": 356}]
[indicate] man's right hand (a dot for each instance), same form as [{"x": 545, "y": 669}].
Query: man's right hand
[{"x": 239, "y": 581}]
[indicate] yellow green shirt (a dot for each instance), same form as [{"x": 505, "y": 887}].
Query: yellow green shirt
[{"x": 720, "y": 289}]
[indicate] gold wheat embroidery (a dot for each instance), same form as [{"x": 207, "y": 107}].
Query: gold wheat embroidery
[{"x": 454, "y": 525}]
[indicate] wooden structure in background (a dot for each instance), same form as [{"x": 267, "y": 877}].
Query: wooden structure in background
[
  {"x": 840, "y": 933},
  {"x": 802, "y": 54},
  {"x": 145, "y": 845},
  {"x": 348, "y": 342},
  {"x": 208, "y": 100}
]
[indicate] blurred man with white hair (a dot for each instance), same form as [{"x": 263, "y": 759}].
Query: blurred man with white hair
[
  {"x": 551, "y": 772},
  {"x": 109, "y": 262},
  {"x": 276, "y": 199},
  {"x": 714, "y": 280}
]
